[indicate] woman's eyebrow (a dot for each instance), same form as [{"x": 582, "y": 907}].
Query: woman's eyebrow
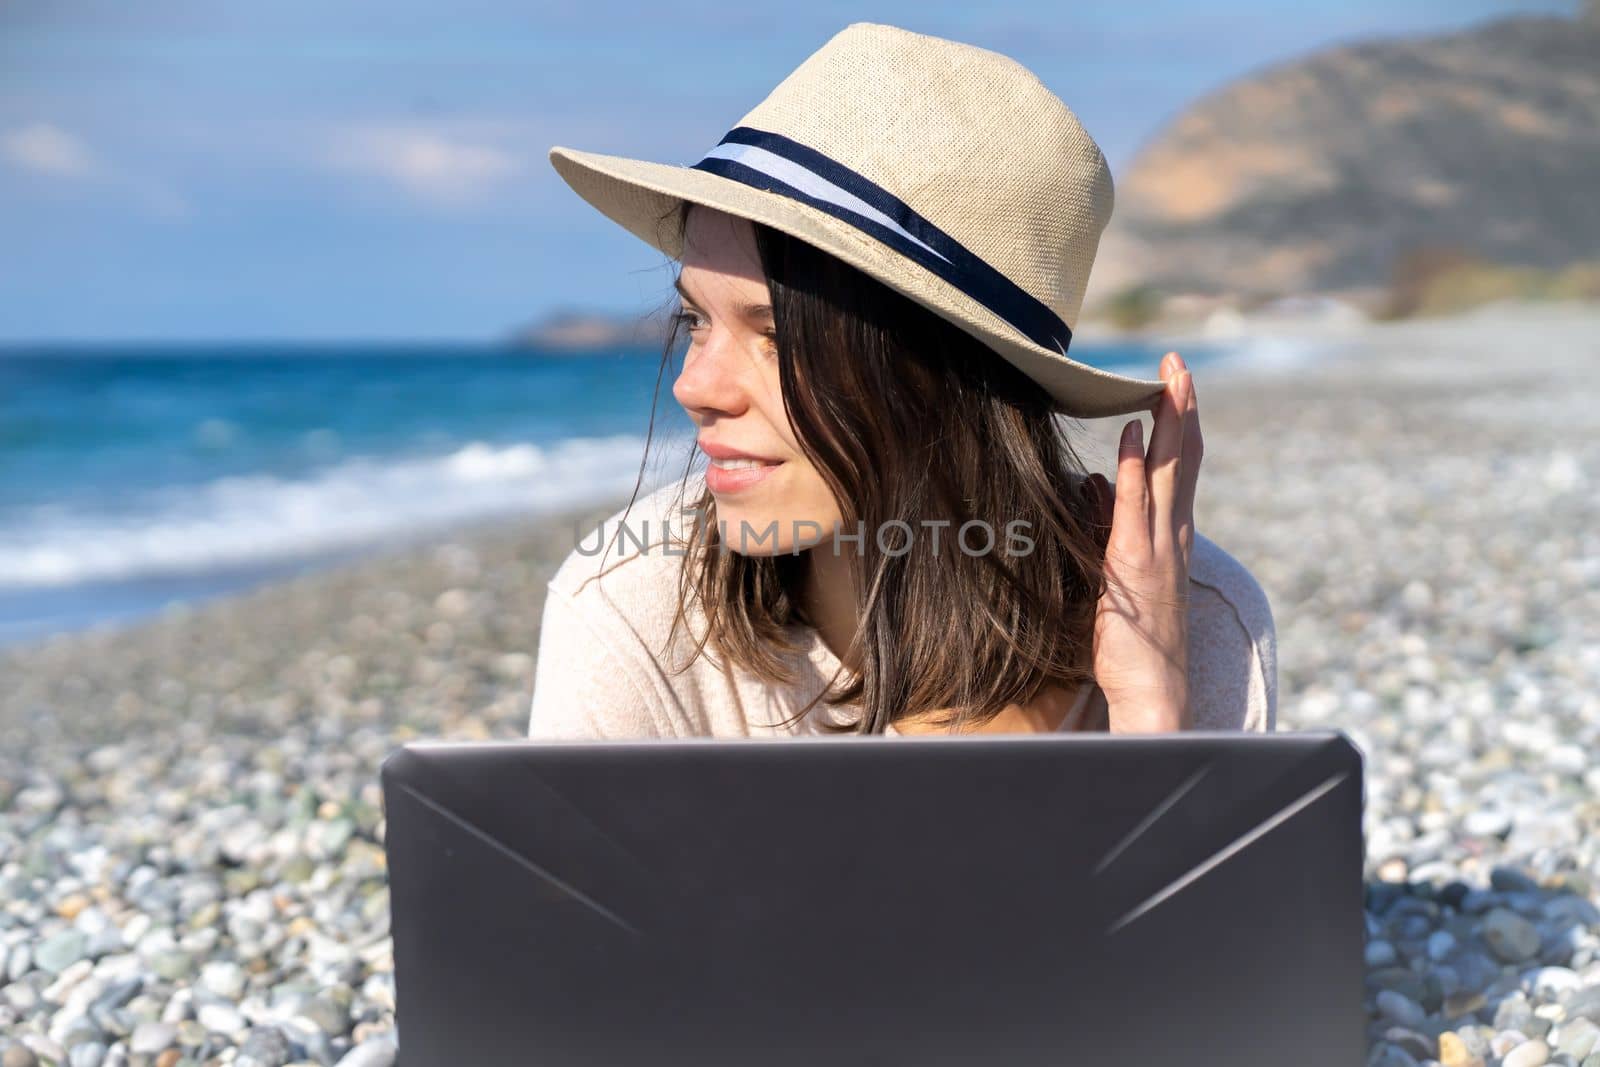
[{"x": 749, "y": 311}]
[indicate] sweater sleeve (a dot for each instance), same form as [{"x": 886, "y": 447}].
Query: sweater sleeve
[
  {"x": 1233, "y": 658},
  {"x": 585, "y": 687}
]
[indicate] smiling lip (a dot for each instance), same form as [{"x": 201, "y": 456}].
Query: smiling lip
[
  {"x": 725, "y": 480},
  {"x": 717, "y": 450}
]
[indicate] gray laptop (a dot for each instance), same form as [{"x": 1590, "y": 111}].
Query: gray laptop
[{"x": 986, "y": 900}]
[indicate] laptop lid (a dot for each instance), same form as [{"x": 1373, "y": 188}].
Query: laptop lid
[{"x": 928, "y": 900}]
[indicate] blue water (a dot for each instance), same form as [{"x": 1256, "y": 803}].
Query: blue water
[{"x": 132, "y": 477}]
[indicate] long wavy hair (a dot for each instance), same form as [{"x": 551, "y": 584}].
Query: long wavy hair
[{"x": 908, "y": 419}]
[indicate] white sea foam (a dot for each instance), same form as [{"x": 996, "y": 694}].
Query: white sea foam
[{"x": 244, "y": 521}]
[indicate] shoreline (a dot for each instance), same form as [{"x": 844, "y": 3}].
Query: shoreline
[
  {"x": 113, "y": 599},
  {"x": 1268, "y": 347},
  {"x": 221, "y": 587}
]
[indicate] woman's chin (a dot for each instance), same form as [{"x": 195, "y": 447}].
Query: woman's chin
[{"x": 750, "y": 532}]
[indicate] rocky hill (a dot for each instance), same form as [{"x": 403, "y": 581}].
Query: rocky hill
[
  {"x": 1322, "y": 173},
  {"x": 572, "y": 330}
]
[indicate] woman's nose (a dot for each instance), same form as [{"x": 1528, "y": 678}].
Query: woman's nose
[{"x": 712, "y": 378}]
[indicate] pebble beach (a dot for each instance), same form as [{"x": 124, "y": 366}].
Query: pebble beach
[{"x": 191, "y": 830}]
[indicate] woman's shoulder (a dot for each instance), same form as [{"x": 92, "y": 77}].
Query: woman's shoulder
[
  {"x": 631, "y": 562},
  {"x": 1233, "y": 670}
]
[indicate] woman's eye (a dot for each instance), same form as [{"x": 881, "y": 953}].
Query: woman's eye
[{"x": 692, "y": 322}]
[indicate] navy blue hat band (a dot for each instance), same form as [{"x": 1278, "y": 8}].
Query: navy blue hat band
[{"x": 774, "y": 163}]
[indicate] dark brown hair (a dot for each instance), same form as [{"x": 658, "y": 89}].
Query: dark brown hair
[{"x": 908, "y": 417}]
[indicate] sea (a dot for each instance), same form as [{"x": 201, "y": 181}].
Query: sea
[{"x": 135, "y": 477}]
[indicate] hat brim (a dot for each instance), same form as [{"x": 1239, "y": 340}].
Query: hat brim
[{"x": 643, "y": 198}]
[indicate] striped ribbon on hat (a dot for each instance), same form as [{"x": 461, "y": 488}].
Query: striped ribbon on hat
[{"x": 777, "y": 164}]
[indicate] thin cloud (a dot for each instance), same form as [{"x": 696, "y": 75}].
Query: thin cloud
[
  {"x": 48, "y": 150},
  {"x": 45, "y": 149},
  {"x": 424, "y": 162}
]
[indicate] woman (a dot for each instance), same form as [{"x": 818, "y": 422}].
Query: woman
[{"x": 879, "y": 269}]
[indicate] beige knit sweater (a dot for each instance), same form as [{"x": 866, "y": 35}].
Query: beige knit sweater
[{"x": 605, "y": 669}]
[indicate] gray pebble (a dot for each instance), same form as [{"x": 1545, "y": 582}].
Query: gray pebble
[
  {"x": 1440, "y": 944},
  {"x": 20, "y": 961},
  {"x": 266, "y": 1046},
  {"x": 1577, "y": 1038},
  {"x": 1509, "y": 936},
  {"x": 173, "y": 966},
  {"x": 88, "y": 1054},
  {"x": 220, "y": 1018},
  {"x": 1553, "y": 981},
  {"x": 61, "y": 951},
  {"x": 117, "y": 994},
  {"x": 1584, "y": 1002},
  {"x": 151, "y": 1038},
  {"x": 1416, "y": 1045},
  {"x": 1534, "y": 1053},
  {"x": 1400, "y": 1008},
  {"x": 224, "y": 978},
  {"x": 374, "y": 1052},
  {"x": 1380, "y": 954},
  {"x": 1513, "y": 1012},
  {"x": 327, "y": 1014},
  {"x": 1512, "y": 880},
  {"x": 1486, "y": 822}
]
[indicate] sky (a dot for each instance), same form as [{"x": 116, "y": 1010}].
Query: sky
[{"x": 301, "y": 170}]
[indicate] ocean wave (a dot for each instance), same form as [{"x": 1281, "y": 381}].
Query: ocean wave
[{"x": 251, "y": 520}]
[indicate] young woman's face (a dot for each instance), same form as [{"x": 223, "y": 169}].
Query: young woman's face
[{"x": 774, "y": 501}]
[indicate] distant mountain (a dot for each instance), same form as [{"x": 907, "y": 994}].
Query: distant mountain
[
  {"x": 1322, "y": 173},
  {"x": 570, "y": 330}
]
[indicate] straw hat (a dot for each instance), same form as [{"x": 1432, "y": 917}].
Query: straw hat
[{"x": 946, "y": 171}]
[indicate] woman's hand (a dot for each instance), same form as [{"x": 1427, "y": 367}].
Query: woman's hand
[{"x": 1141, "y": 634}]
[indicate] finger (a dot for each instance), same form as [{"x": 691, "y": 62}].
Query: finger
[
  {"x": 1193, "y": 452},
  {"x": 1166, "y": 450},
  {"x": 1130, "y": 512}
]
